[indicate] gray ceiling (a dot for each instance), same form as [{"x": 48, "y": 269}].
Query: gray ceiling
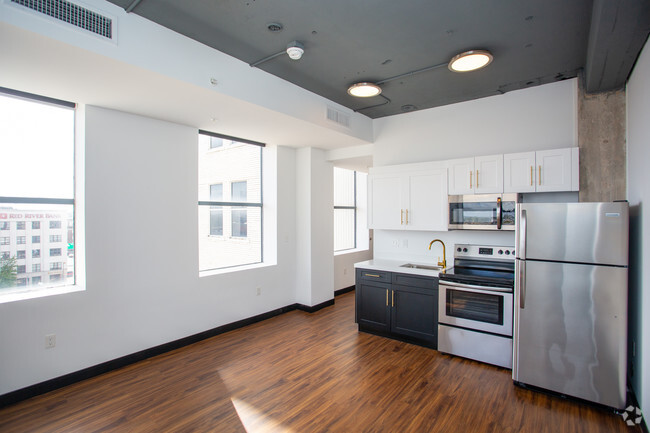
[{"x": 533, "y": 42}]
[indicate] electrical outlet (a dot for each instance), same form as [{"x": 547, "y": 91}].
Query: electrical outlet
[
  {"x": 50, "y": 341},
  {"x": 259, "y": 291}
]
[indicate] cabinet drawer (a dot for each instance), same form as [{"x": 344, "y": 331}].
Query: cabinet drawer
[
  {"x": 373, "y": 275},
  {"x": 415, "y": 281}
]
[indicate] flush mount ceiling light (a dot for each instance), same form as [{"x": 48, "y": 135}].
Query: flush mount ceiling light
[
  {"x": 364, "y": 90},
  {"x": 295, "y": 50},
  {"x": 470, "y": 61}
]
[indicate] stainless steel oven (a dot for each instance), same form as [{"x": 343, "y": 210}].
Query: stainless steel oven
[
  {"x": 475, "y": 305},
  {"x": 482, "y": 211},
  {"x": 487, "y": 309}
]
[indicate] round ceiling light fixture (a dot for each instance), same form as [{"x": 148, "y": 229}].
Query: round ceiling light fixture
[
  {"x": 470, "y": 61},
  {"x": 295, "y": 50},
  {"x": 364, "y": 90}
]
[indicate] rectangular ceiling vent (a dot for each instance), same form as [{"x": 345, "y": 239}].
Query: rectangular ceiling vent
[
  {"x": 338, "y": 117},
  {"x": 72, "y": 14}
]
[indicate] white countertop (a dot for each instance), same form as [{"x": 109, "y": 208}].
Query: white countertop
[{"x": 395, "y": 266}]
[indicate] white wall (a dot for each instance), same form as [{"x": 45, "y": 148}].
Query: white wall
[
  {"x": 638, "y": 194},
  {"x": 542, "y": 117},
  {"x": 142, "y": 281}
]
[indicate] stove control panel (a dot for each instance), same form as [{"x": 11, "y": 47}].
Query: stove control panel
[{"x": 484, "y": 252}]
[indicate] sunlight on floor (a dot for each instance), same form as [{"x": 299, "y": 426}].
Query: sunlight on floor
[{"x": 256, "y": 422}]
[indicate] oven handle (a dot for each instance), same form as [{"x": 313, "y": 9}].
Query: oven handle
[{"x": 472, "y": 286}]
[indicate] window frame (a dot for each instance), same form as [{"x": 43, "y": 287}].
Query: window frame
[
  {"x": 232, "y": 204},
  {"x": 354, "y": 207}
]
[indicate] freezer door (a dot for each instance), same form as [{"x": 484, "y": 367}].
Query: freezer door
[
  {"x": 573, "y": 232},
  {"x": 571, "y": 334}
]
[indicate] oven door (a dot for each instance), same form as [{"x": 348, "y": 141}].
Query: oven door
[
  {"x": 482, "y": 212},
  {"x": 487, "y": 309}
]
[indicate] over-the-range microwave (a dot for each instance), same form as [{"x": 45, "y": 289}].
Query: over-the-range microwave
[{"x": 483, "y": 211}]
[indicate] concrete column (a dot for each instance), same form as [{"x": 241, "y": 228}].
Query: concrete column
[{"x": 601, "y": 138}]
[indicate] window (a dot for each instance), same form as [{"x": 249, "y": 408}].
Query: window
[
  {"x": 55, "y": 252},
  {"x": 5, "y": 255},
  {"x": 216, "y": 212},
  {"x": 36, "y": 254},
  {"x": 36, "y": 281},
  {"x": 230, "y": 202},
  {"x": 345, "y": 209},
  {"x": 20, "y": 269},
  {"x": 4, "y": 225},
  {"x": 216, "y": 142},
  {"x": 55, "y": 277},
  {"x": 20, "y": 254},
  {"x": 37, "y": 136},
  {"x": 5, "y": 240},
  {"x": 36, "y": 267},
  {"x": 56, "y": 265},
  {"x": 55, "y": 238}
]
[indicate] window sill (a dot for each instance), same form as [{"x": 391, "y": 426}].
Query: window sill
[
  {"x": 32, "y": 293},
  {"x": 234, "y": 269},
  {"x": 350, "y": 251}
]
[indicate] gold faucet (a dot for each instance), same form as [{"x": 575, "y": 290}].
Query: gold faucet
[{"x": 442, "y": 263}]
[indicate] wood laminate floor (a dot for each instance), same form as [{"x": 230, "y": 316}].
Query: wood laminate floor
[{"x": 303, "y": 373}]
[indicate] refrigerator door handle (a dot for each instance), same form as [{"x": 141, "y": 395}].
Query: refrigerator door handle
[
  {"x": 522, "y": 235},
  {"x": 522, "y": 283}
]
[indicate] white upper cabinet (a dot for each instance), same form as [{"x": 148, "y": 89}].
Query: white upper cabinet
[
  {"x": 489, "y": 174},
  {"x": 408, "y": 197},
  {"x": 542, "y": 171},
  {"x": 519, "y": 172},
  {"x": 553, "y": 170},
  {"x": 479, "y": 175}
]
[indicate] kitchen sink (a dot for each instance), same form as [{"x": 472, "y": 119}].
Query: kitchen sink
[{"x": 416, "y": 266}]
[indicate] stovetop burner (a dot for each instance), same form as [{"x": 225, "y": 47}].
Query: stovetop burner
[{"x": 482, "y": 265}]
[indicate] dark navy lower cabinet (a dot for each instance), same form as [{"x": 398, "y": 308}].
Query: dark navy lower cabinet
[{"x": 400, "y": 306}]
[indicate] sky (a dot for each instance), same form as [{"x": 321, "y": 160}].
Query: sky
[{"x": 36, "y": 149}]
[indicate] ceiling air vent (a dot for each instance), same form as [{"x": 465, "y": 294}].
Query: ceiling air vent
[
  {"x": 338, "y": 117},
  {"x": 72, "y": 14}
]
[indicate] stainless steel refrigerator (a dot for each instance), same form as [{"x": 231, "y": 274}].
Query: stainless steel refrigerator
[{"x": 570, "y": 304}]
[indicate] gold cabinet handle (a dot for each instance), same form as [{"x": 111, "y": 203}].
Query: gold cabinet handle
[
  {"x": 540, "y": 174},
  {"x": 407, "y": 217},
  {"x": 477, "y": 178},
  {"x": 392, "y": 298},
  {"x": 371, "y": 275},
  {"x": 401, "y": 216},
  {"x": 470, "y": 178},
  {"x": 387, "y": 297},
  {"x": 531, "y": 175}
]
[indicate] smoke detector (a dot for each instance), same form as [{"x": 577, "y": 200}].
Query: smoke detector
[{"x": 295, "y": 50}]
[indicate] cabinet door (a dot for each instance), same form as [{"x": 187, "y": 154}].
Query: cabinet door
[
  {"x": 519, "y": 173},
  {"x": 489, "y": 174},
  {"x": 385, "y": 201},
  {"x": 553, "y": 170},
  {"x": 428, "y": 201},
  {"x": 461, "y": 176},
  {"x": 414, "y": 313},
  {"x": 373, "y": 308}
]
